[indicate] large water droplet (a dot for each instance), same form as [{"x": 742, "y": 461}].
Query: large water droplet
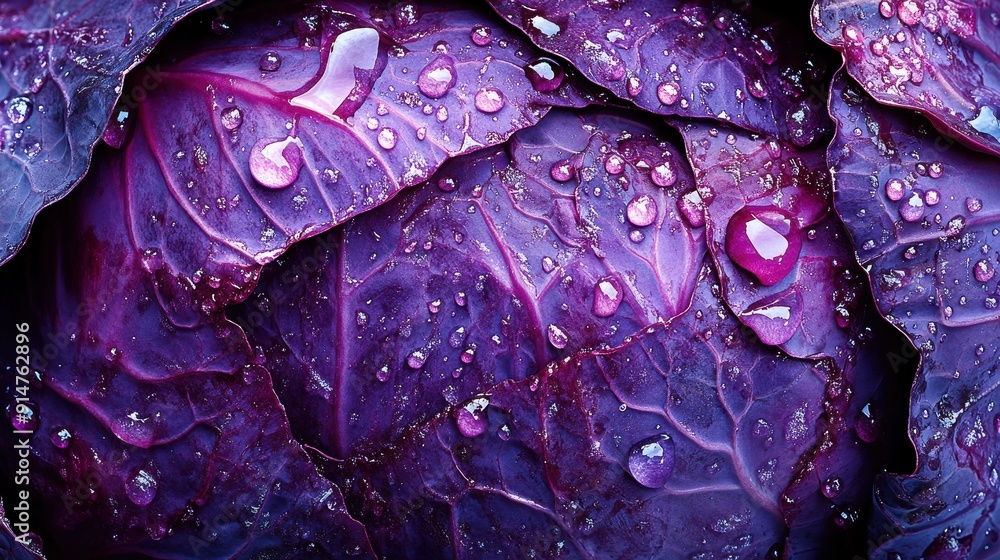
[
  {"x": 651, "y": 461},
  {"x": 276, "y": 163},
  {"x": 438, "y": 77},
  {"x": 355, "y": 48},
  {"x": 775, "y": 318},
  {"x": 270, "y": 61},
  {"x": 765, "y": 241},
  {"x": 489, "y": 100},
  {"x": 544, "y": 74},
  {"x": 141, "y": 487},
  {"x": 607, "y": 296},
  {"x": 986, "y": 122},
  {"x": 641, "y": 210},
  {"x": 471, "y": 417},
  {"x": 232, "y": 118}
]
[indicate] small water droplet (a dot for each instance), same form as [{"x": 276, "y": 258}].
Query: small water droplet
[
  {"x": 562, "y": 170},
  {"x": 651, "y": 461},
  {"x": 932, "y": 197},
  {"x": 387, "y": 138},
  {"x": 983, "y": 270},
  {"x": 460, "y": 299},
  {"x": 557, "y": 337},
  {"x": 886, "y": 8},
  {"x": 913, "y": 209},
  {"x": 692, "y": 208},
  {"x": 417, "y": 359},
  {"x": 607, "y": 296},
  {"x": 614, "y": 164},
  {"x": 481, "y": 35},
  {"x": 973, "y": 204},
  {"x": 489, "y": 100},
  {"x": 867, "y": 424},
  {"x": 270, "y": 61},
  {"x": 232, "y": 118},
  {"x": 910, "y": 11},
  {"x": 141, "y": 487},
  {"x": 18, "y": 109},
  {"x": 831, "y": 487},
  {"x": 61, "y": 438},
  {"x": 24, "y": 416},
  {"x": 548, "y": 265}
]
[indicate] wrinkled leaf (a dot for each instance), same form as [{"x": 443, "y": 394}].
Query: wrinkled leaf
[
  {"x": 681, "y": 441},
  {"x": 744, "y": 182},
  {"x": 485, "y": 273},
  {"x": 924, "y": 218},
  {"x": 939, "y": 58},
  {"x": 150, "y": 438},
  {"x": 64, "y": 63},
  {"x": 738, "y": 64},
  {"x": 304, "y": 117}
]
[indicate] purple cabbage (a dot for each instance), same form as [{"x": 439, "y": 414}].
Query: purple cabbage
[{"x": 63, "y": 65}]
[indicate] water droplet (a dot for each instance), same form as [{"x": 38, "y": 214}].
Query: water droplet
[
  {"x": 910, "y": 11},
  {"x": 438, "y": 77},
  {"x": 468, "y": 355},
  {"x": 973, "y": 204},
  {"x": 382, "y": 374},
  {"x": 460, "y": 299},
  {"x": 18, "y": 109},
  {"x": 935, "y": 169},
  {"x": 614, "y": 164},
  {"x": 417, "y": 359},
  {"x": 633, "y": 86},
  {"x": 895, "y": 189},
  {"x": 831, "y": 487},
  {"x": 765, "y": 241},
  {"x": 607, "y": 297},
  {"x": 668, "y": 93},
  {"x": 636, "y": 236},
  {"x": 24, "y": 416},
  {"x": 913, "y": 209},
  {"x": 932, "y": 197},
  {"x": 457, "y": 337},
  {"x": 489, "y": 100},
  {"x": 641, "y": 210},
  {"x": 141, "y": 487},
  {"x": 557, "y": 337},
  {"x": 983, "y": 271},
  {"x": 775, "y": 318},
  {"x": 651, "y": 461},
  {"x": 692, "y": 208},
  {"x": 270, "y": 61},
  {"x": 434, "y": 306},
  {"x": 275, "y": 163},
  {"x": 544, "y": 26},
  {"x": 548, "y": 265},
  {"x": 562, "y": 170},
  {"x": 355, "y": 48},
  {"x": 481, "y": 35},
  {"x": 504, "y": 432},
  {"x": 867, "y": 424},
  {"x": 407, "y": 14},
  {"x": 387, "y": 138},
  {"x": 544, "y": 74},
  {"x": 663, "y": 174},
  {"x": 886, "y": 8},
  {"x": 61, "y": 438},
  {"x": 986, "y": 122},
  {"x": 471, "y": 417},
  {"x": 120, "y": 127},
  {"x": 232, "y": 118}
]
